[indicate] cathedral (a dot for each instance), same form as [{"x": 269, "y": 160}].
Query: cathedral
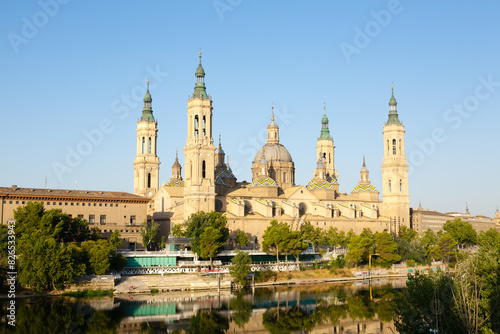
[{"x": 210, "y": 185}]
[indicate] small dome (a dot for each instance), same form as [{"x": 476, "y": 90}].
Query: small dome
[
  {"x": 364, "y": 188},
  {"x": 273, "y": 152},
  {"x": 200, "y": 71},
  {"x": 176, "y": 164},
  {"x": 314, "y": 185},
  {"x": 147, "y": 97},
  {"x": 178, "y": 183}
]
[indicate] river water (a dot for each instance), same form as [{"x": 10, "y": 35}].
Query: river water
[{"x": 358, "y": 307}]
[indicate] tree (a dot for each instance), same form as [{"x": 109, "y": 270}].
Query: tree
[
  {"x": 198, "y": 222},
  {"x": 407, "y": 234},
  {"x": 426, "y": 305},
  {"x": 149, "y": 234},
  {"x": 462, "y": 232},
  {"x": 296, "y": 245},
  {"x": 46, "y": 264},
  {"x": 273, "y": 239},
  {"x": 444, "y": 248},
  {"x": 359, "y": 248},
  {"x": 178, "y": 231},
  {"x": 386, "y": 247},
  {"x": 242, "y": 238},
  {"x": 210, "y": 243},
  {"x": 310, "y": 233},
  {"x": 241, "y": 267}
]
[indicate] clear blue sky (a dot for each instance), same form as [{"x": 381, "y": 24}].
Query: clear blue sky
[{"x": 66, "y": 68}]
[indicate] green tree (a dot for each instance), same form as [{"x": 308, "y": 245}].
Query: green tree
[
  {"x": 386, "y": 247},
  {"x": 462, "y": 232},
  {"x": 210, "y": 243},
  {"x": 296, "y": 245},
  {"x": 310, "y": 233},
  {"x": 444, "y": 248},
  {"x": 162, "y": 242},
  {"x": 360, "y": 247},
  {"x": 46, "y": 264},
  {"x": 274, "y": 238},
  {"x": 241, "y": 267},
  {"x": 407, "y": 234},
  {"x": 426, "y": 305},
  {"x": 242, "y": 238},
  {"x": 197, "y": 223},
  {"x": 178, "y": 231},
  {"x": 149, "y": 234}
]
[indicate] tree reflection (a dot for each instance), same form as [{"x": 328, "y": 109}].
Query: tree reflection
[
  {"x": 242, "y": 308},
  {"x": 208, "y": 322},
  {"x": 289, "y": 320}
]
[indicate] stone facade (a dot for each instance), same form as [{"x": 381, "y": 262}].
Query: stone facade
[{"x": 109, "y": 211}]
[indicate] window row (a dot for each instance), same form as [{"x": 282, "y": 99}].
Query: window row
[{"x": 66, "y": 203}]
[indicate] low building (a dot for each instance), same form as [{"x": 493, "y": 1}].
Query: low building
[{"x": 108, "y": 210}]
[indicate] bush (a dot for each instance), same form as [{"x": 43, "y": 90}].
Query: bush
[
  {"x": 410, "y": 263},
  {"x": 265, "y": 276},
  {"x": 154, "y": 290}
]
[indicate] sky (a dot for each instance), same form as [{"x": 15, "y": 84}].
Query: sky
[{"x": 73, "y": 75}]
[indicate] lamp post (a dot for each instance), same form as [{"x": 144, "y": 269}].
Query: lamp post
[{"x": 370, "y": 263}]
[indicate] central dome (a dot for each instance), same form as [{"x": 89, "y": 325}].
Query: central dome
[{"x": 274, "y": 152}]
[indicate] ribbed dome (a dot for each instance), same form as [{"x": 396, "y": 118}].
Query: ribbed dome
[{"x": 273, "y": 152}]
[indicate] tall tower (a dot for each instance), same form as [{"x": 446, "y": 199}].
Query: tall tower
[
  {"x": 395, "y": 195},
  {"x": 146, "y": 162},
  {"x": 325, "y": 149},
  {"x": 199, "y": 191}
]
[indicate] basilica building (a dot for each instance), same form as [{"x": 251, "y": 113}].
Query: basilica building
[{"x": 210, "y": 185}]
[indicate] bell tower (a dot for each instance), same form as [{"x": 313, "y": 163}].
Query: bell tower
[
  {"x": 146, "y": 162},
  {"x": 326, "y": 150},
  {"x": 395, "y": 195},
  {"x": 199, "y": 191}
]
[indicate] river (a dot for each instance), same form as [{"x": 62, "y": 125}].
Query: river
[{"x": 358, "y": 307}]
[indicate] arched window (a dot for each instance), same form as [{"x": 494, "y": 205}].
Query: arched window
[
  {"x": 149, "y": 180},
  {"x": 203, "y": 167},
  {"x": 302, "y": 209},
  {"x": 394, "y": 146},
  {"x": 400, "y": 147},
  {"x": 143, "y": 144},
  {"x": 400, "y": 185},
  {"x": 388, "y": 147},
  {"x": 204, "y": 124},
  {"x": 149, "y": 151},
  {"x": 390, "y": 185},
  {"x": 196, "y": 126}
]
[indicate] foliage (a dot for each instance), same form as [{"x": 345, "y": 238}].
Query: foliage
[
  {"x": 444, "y": 248},
  {"x": 162, "y": 242},
  {"x": 241, "y": 267},
  {"x": 46, "y": 264},
  {"x": 199, "y": 221},
  {"x": 295, "y": 244},
  {"x": 339, "y": 261},
  {"x": 178, "y": 231},
  {"x": 426, "y": 305},
  {"x": 407, "y": 234},
  {"x": 54, "y": 249},
  {"x": 311, "y": 234},
  {"x": 462, "y": 232},
  {"x": 265, "y": 276},
  {"x": 149, "y": 234},
  {"x": 211, "y": 243},
  {"x": 275, "y": 238},
  {"x": 242, "y": 238},
  {"x": 89, "y": 293},
  {"x": 386, "y": 248},
  {"x": 205, "y": 322},
  {"x": 359, "y": 248}
]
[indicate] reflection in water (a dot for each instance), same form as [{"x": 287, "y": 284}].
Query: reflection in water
[{"x": 352, "y": 308}]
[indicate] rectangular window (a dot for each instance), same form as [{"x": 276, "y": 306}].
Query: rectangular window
[
  {"x": 80, "y": 216},
  {"x": 95, "y": 204},
  {"x": 17, "y": 202},
  {"x": 23, "y": 202},
  {"x": 48, "y": 203},
  {"x": 103, "y": 219},
  {"x": 10, "y": 202},
  {"x": 53, "y": 203},
  {"x": 132, "y": 220},
  {"x": 111, "y": 205},
  {"x": 91, "y": 219},
  {"x": 77, "y": 204},
  {"x": 100, "y": 204},
  {"x": 60, "y": 203},
  {"x": 65, "y": 203},
  {"x": 116, "y": 205},
  {"x": 72, "y": 203},
  {"x": 105, "y": 204},
  {"x": 83, "y": 204}
]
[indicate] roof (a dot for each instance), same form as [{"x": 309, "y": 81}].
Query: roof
[{"x": 36, "y": 193}]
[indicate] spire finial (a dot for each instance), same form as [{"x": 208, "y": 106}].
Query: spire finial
[
  {"x": 176, "y": 155},
  {"x": 364, "y": 165},
  {"x": 148, "y": 85},
  {"x": 272, "y": 111},
  {"x": 324, "y": 108},
  {"x": 219, "y": 141},
  {"x": 199, "y": 53}
]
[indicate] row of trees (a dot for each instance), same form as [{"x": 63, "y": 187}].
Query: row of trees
[
  {"x": 53, "y": 248},
  {"x": 466, "y": 302}
]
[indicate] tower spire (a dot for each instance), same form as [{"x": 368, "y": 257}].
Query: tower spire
[
  {"x": 393, "y": 111},
  {"x": 147, "y": 111},
  {"x": 325, "y": 130},
  {"x": 199, "y": 88}
]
